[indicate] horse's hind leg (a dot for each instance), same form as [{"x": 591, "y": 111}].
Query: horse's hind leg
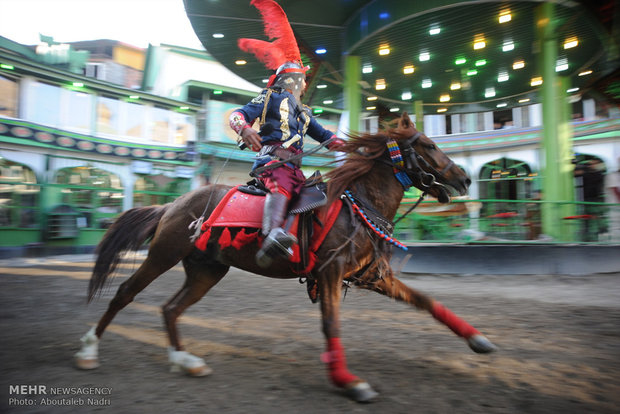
[
  {"x": 201, "y": 277},
  {"x": 88, "y": 356},
  {"x": 394, "y": 288}
]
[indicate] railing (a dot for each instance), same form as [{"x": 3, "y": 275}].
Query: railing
[{"x": 508, "y": 221}]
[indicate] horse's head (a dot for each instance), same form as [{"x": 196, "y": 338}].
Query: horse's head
[{"x": 428, "y": 167}]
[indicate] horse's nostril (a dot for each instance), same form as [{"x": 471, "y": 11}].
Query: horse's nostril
[{"x": 467, "y": 182}]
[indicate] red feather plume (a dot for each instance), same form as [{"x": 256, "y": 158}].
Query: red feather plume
[{"x": 284, "y": 48}]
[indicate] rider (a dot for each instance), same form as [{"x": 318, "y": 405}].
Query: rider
[{"x": 284, "y": 122}]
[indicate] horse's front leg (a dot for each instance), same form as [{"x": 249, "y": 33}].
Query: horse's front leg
[
  {"x": 390, "y": 286},
  {"x": 330, "y": 287}
]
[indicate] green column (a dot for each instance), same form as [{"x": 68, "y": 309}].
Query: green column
[
  {"x": 418, "y": 110},
  {"x": 558, "y": 181},
  {"x": 352, "y": 94}
]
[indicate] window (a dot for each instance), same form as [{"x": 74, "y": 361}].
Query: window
[
  {"x": 77, "y": 112},
  {"x": 8, "y": 97},
  {"x": 19, "y": 196},
  {"x": 158, "y": 189},
  {"x": 44, "y": 104},
  {"x": 107, "y": 116}
]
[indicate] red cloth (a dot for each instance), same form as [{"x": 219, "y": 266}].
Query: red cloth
[{"x": 337, "y": 364}]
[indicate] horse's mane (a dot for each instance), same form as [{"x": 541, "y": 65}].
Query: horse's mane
[{"x": 362, "y": 151}]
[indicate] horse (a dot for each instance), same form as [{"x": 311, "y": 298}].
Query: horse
[{"x": 377, "y": 169}]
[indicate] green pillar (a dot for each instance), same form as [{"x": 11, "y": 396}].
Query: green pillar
[
  {"x": 352, "y": 94},
  {"x": 558, "y": 181},
  {"x": 418, "y": 110}
]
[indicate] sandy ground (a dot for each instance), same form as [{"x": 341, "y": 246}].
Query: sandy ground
[{"x": 559, "y": 340}]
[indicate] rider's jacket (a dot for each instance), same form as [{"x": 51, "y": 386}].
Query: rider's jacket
[{"x": 288, "y": 121}]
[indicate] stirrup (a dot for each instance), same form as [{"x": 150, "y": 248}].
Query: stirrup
[{"x": 277, "y": 244}]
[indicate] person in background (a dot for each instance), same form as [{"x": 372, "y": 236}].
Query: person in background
[{"x": 284, "y": 122}]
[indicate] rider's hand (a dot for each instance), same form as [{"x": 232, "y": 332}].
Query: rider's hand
[
  {"x": 251, "y": 138},
  {"x": 336, "y": 145}
]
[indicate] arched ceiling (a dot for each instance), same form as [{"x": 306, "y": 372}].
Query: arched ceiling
[{"x": 453, "y": 67}]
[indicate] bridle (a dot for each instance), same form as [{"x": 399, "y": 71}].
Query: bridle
[{"x": 411, "y": 169}]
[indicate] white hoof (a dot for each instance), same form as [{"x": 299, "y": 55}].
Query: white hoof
[
  {"x": 88, "y": 356},
  {"x": 183, "y": 361}
]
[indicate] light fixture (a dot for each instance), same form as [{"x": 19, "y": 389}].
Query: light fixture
[
  {"x": 508, "y": 46},
  {"x": 585, "y": 72},
  {"x": 460, "y": 61},
  {"x": 489, "y": 92},
  {"x": 434, "y": 30},
  {"x": 440, "y": 110},
  {"x": 561, "y": 65},
  {"x": 367, "y": 68},
  {"x": 444, "y": 98},
  {"x": 454, "y": 86},
  {"x": 321, "y": 86},
  {"x": 479, "y": 42},
  {"x": 538, "y": 80},
  {"x": 501, "y": 105},
  {"x": 265, "y": 80},
  {"x": 134, "y": 97},
  {"x": 380, "y": 84},
  {"x": 183, "y": 108},
  {"x": 371, "y": 98},
  {"x": 320, "y": 51},
  {"x": 384, "y": 50},
  {"x": 240, "y": 62},
  {"x": 505, "y": 16},
  {"x": 409, "y": 69},
  {"x": 524, "y": 100},
  {"x": 518, "y": 64},
  {"x": 427, "y": 83},
  {"x": 318, "y": 110},
  {"x": 370, "y": 108},
  {"x": 6, "y": 66},
  {"x": 472, "y": 72},
  {"x": 571, "y": 42},
  {"x": 406, "y": 96},
  {"x": 503, "y": 76},
  {"x": 218, "y": 35},
  {"x": 571, "y": 90},
  {"x": 394, "y": 109},
  {"x": 481, "y": 62},
  {"x": 80, "y": 85},
  {"x": 424, "y": 56},
  {"x": 328, "y": 101}
]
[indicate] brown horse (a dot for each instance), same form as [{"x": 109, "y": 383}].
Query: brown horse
[{"x": 372, "y": 171}]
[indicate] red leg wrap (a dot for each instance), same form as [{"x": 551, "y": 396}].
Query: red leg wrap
[
  {"x": 456, "y": 324},
  {"x": 337, "y": 364}
]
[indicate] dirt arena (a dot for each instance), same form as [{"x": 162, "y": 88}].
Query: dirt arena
[{"x": 558, "y": 339}]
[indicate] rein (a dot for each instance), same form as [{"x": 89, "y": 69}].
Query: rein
[{"x": 258, "y": 171}]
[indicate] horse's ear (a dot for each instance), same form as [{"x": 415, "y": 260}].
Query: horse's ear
[{"x": 405, "y": 122}]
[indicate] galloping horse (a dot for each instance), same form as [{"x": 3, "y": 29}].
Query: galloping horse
[{"x": 374, "y": 171}]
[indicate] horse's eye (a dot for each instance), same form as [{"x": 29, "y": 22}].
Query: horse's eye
[{"x": 432, "y": 146}]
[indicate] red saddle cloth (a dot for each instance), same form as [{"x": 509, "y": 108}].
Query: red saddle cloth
[{"x": 245, "y": 211}]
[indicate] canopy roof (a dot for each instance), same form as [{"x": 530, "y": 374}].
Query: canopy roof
[{"x": 475, "y": 79}]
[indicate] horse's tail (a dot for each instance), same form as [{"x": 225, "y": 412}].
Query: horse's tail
[{"x": 128, "y": 232}]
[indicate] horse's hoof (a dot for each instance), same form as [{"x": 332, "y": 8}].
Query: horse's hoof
[
  {"x": 480, "y": 344},
  {"x": 362, "y": 392},
  {"x": 189, "y": 364},
  {"x": 87, "y": 363}
]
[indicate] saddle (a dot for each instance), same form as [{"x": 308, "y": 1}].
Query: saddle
[{"x": 240, "y": 212}]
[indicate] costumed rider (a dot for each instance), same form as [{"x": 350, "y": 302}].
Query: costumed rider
[{"x": 283, "y": 121}]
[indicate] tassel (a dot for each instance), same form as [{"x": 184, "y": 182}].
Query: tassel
[
  {"x": 224, "y": 239},
  {"x": 242, "y": 238},
  {"x": 201, "y": 243}
]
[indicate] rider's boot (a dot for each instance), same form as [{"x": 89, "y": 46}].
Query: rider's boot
[{"x": 277, "y": 242}]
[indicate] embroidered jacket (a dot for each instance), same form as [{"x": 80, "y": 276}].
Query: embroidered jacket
[{"x": 279, "y": 109}]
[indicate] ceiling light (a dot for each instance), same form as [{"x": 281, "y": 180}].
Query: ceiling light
[
  {"x": 434, "y": 30},
  {"x": 444, "y": 98},
  {"x": 479, "y": 43},
  {"x": 460, "y": 61},
  {"x": 561, "y": 65},
  {"x": 367, "y": 68},
  {"x": 481, "y": 62},
  {"x": 585, "y": 72},
  {"x": 570, "y": 42},
  {"x": 424, "y": 56},
  {"x": 524, "y": 100},
  {"x": 508, "y": 46},
  {"x": 218, "y": 92},
  {"x": 442, "y": 110},
  {"x": 455, "y": 86},
  {"x": 472, "y": 72},
  {"x": 489, "y": 92},
  {"x": 503, "y": 76},
  {"x": 370, "y": 108},
  {"x": 321, "y": 86},
  {"x": 519, "y": 64},
  {"x": 384, "y": 50},
  {"x": 240, "y": 62},
  {"x": 218, "y": 35},
  {"x": 371, "y": 98},
  {"x": 571, "y": 90},
  {"x": 318, "y": 110},
  {"x": 394, "y": 109},
  {"x": 427, "y": 83},
  {"x": 380, "y": 84},
  {"x": 409, "y": 69},
  {"x": 501, "y": 105},
  {"x": 267, "y": 80},
  {"x": 80, "y": 85},
  {"x": 320, "y": 51},
  {"x": 405, "y": 96},
  {"x": 505, "y": 16},
  {"x": 536, "y": 81},
  {"x": 328, "y": 101}
]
